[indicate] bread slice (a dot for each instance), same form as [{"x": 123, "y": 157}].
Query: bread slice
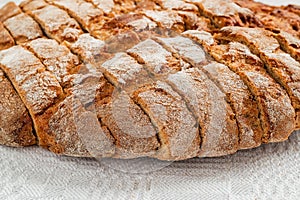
[
  {"x": 177, "y": 128},
  {"x": 268, "y": 93},
  {"x": 274, "y": 18},
  {"x": 71, "y": 128},
  {"x": 30, "y": 79},
  {"x": 59, "y": 117},
  {"x": 114, "y": 108},
  {"x": 218, "y": 128},
  {"x": 242, "y": 102},
  {"x": 106, "y": 6},
  {"x": 6, "y": 39},
  {"x": 251, "y": 70},
  {"x": 245, "y": 110},
  {"x": 56, "y": 58},
  {"x": 23, "y": 28},
  {"x": 9, "y": 10},
  {"x": 135, "y": 135},
  {"x": 86, "y": 14},
  {"x": 15, "y": 122},
  {"x": 226, "y": 13},
  {"x": 290, "y": 44},
  {"x": 56, "y": 23},
  {"x": 280, "y": 65}
]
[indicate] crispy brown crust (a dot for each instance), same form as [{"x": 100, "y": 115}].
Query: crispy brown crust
[
  {"x": 250, "y": 68},
  {"x": 56, "y": 58},
  {"x": 226, "y": 13},
  {"x": 117, "y": 110},
  {"x": 90, "y": 17},
  {"x": 56, "y": 23},
  {"x": 23, "y": 28},
  {"x": 178, "y": 130},
  {"x": 6, "y": 39},
  {"x": 8, "y": 11},
  {"x": 274, "y": 18},
  {"x": 281, "y": 66},
  {"x": 290, "y": 44},
  {"x": 15, "y": 122},
  {"x": 132, "y": 129},
  {"x": 218, "y": 129}
]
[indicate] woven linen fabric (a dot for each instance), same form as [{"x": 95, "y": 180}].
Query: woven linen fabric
[{"x": 269, "y": 172}]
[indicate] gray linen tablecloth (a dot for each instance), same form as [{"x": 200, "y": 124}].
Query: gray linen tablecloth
[{"x": 268, "y": 172}]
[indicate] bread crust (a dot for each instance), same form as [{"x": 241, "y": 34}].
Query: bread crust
[
  {"x": 9, "y": 10},
  {"x": 15, "y": 122},
  {"x": 274, "y": 18},
  {"x": 6, "y": 40},
  {"x": 218, "y": 129},
  {"x": 56, "y": 23},
  {"x": 282, "y": 67},
  {"x": 269, "y": 94},
  {"x": 85, "y": 13},
  {"x": 290, "y": 44},
  {"x": 227, "y": 13},
  {"x": 178, "y": 130},
  {"x": 23, "y": 28}
]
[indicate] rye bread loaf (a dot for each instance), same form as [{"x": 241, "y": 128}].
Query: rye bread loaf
[{"x": 165, "y": 79}]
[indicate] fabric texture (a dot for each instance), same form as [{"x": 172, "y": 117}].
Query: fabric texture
[{"x": 269, "y": 172}]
